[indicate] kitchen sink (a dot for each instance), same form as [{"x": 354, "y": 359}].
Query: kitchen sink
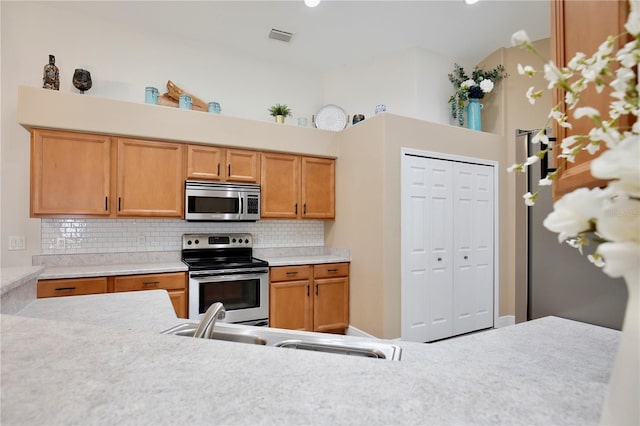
[{"x": 319, "y": 342}]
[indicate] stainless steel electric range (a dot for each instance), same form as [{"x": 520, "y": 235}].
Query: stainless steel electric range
[{"x": 222, "y": 269}]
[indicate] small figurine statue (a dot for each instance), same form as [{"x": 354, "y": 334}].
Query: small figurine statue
[
  {"x": 51, "y": 75},
  {"x": 82, "y": 80}
]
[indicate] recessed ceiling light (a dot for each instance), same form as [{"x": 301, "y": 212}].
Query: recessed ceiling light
[
  {"x": 312, "y": 3},
  {"x": 471, "y": 1}
]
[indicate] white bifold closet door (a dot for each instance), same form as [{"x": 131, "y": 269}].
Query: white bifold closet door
[{"x": 448, "y": 232}]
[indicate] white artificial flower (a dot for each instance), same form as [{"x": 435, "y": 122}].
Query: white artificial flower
[
  {"x": 606, "y": 134},
  {"x": 540, "y": 137},
  {"x": 586, "y": 111},
  {"x": 633, "y": 21},
  {"x": 619, "y": 220},
  {"x": 526, "y": 70},
  {"x": 515, "y": 168},
  {"x": 519, "y": 38},
  {"x": 530, "y": 199},
  {"x": 486, "y": 85},
  {"x": 627, "y": 55},
  {"x": 577, "y": 62},
  {"x": 619, "y": 258},
  {"x": 552, "y": 74},
  {"x": 573, "y": 213},
  {"x": 621, "y": 162},
  {"x": 596, "y": 259},
  {"x": 532, "y": 96},
  {"x": 545, "y": 182},
  {"x": 592, "y": 147},
  {"x": 569, "y": 141},
  {"x": 532, "y": 160},
  {"x": 467, "y": 84}
]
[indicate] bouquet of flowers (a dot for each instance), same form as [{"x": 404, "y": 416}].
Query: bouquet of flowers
[
  {"x": 609, "y": 216},
  {"x": 474, "y": 87}
]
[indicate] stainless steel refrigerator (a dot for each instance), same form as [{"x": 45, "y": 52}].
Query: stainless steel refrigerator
[{"x": 561, "y": 281}]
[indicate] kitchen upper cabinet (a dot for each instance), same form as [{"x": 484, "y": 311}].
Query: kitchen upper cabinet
[
  {"x": 150, "y": 178},
  {"x": 310, "y": 298},
  {"x": 70, "y": 174},
  {"x": 581, "y": 26},
  {"x": 223, "y": 164},
  {"x": 297, "y": 187}
]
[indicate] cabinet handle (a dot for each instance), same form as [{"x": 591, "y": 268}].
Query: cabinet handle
[
  {"x": 292, "y": 273},
  {"x": 65, "y": 288},
  {"x": 307, "y": 290},
  {"x": 218, "y": 169},
  {"x": 316, "y": 289},
  {"x": 119, "y": 203},
  {"x": 150, "y": 282},
  {"x": 296, "y": 208},
  {"x": 332, "y": 270},
  {"x": 304, "y": 208},
  {"x": 229, "y": 172},
  {"x": 106, "y": 203}
]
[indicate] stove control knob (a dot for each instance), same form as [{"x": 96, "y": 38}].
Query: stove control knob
[
  {"x": 189, "y": 242},
  {"x": 197, "y": 241},
  {"x": 246, "y": 241}
]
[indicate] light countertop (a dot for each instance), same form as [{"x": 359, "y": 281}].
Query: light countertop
[
  {"x": 96, "y": 366},
  {"x": 79, "y": 271}
]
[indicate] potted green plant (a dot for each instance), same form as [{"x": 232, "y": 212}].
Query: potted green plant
[{"x": 280, "y": 112}]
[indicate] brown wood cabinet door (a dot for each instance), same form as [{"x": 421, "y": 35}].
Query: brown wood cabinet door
[
  {"x": 318, "y": 188},
  {"x": 150, "y": 178},
  {"x": 331, "y": 304},
  {"x": 243, "y": 166},
  {"x": 280, "y": 186},
  {"x": 179, "y": 301},
  {"x": 291, "y": 305},
  {"x": 581, "y": 26},
  {"x": 166, "y": 281},
  {"x": 205, "y": 162},
  {"x": 70, "y": 173},
  {"x": 71, "y": 287}
]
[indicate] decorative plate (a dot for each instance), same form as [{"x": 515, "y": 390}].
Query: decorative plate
[{"x": 331, "y": 117}]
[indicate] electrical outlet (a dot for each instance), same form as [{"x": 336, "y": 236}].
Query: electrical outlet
[
  {"x": 141, "y": 240},
  {"x": 17, "y": 242},
  {"x": 60, "y": 243}
]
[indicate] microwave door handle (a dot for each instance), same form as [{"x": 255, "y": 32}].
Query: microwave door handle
[{"x": 241, "y": 205}]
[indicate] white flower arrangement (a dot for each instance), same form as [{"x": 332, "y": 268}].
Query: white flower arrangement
[{"x": 610, "y": 215}]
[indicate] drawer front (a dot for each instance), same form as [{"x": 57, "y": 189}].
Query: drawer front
[
  {"x": 71, "y": 287},
  {"x": 328, "y": 270},
  {"x": 170, "y": 281},
  {"x": 290, "y": 273}
]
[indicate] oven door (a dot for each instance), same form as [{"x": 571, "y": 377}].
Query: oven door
[{"x": 244, "y": 294}]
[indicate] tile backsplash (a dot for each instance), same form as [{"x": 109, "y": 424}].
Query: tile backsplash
[{"x": 71, "y": 236}]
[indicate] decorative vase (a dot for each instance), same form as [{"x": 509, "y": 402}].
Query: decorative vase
[
  {"x": 474, "y": 119},
  {"x": 280, "y": 119},
  {"x": 82, "y": 80},
  {"x": 621, "y": 406}
]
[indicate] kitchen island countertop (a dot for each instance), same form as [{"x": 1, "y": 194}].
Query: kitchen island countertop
[{"x": 114, "y": 368}]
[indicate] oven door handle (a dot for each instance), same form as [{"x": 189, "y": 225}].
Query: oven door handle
[{"x": 235, "y": 277}]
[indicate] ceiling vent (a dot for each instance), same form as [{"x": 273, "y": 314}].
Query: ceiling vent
[{"x": 280, "y": 35}]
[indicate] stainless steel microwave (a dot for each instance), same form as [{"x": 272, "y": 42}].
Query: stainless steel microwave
[{"x": 217, "y": 201}]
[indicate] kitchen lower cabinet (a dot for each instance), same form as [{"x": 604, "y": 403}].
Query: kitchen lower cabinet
[
  {"x": 174, "y": 282},
  {"x": 71, "y": 287},
  {"x": 310, "y": 297},
  {"x": 448, "y": 236}
]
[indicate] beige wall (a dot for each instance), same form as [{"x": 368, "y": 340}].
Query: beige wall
[{"x": 368, "y": 200}]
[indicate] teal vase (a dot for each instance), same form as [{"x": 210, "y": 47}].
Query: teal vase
[{"x": 474, "y": 119}]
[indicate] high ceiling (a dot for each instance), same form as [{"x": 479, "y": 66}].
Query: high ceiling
[{"x": 337, "y": 32}]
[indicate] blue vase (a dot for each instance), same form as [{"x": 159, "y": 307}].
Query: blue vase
[{"x": 474, "y": 119}]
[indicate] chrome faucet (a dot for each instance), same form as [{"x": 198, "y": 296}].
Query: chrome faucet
[{"x": 208, "y": 321}]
